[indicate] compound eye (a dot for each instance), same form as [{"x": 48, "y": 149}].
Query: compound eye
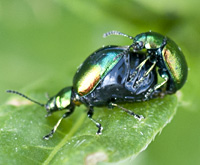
[{"x": 140, "y": 44}]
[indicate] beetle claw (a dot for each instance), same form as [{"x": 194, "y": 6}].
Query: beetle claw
[
  {"x": 139, "y": 117},
  {"x": 99, "y": 132}
]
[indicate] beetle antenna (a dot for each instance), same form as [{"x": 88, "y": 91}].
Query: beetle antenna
[
  {"x": 22, "y": 95},
  {"x": 114, "y": 32}
]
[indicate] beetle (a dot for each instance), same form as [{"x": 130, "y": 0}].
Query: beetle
[
  {"x": 164, "y": 54},
  {"x": 116, "y": 74}
]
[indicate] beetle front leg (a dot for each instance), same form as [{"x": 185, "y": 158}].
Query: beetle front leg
[
  {"x": 98, "y": 125},
  {"x": 57, "y": 124},
  {"x": 137, "y": 83},
  {"x": 138, "y": 68}
]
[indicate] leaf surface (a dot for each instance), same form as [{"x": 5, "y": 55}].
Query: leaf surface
[{"x": 75, "y": 142}]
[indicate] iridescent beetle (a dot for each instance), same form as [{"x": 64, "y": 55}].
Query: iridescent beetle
[
  {"x": 116, "y": 74},
  {"x": 162, "y": 52}
]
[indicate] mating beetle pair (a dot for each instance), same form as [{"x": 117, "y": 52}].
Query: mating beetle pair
[{"x": 115, "y": 74}]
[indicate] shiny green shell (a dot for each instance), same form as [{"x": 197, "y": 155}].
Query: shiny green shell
[
  {"x": 60, "y": 101},
  {"x": 175, "y": 63},
  {"x": 95, "y": 68},
  {"x": 150, "y": 40},
  {"x": 172, "y": 56}
]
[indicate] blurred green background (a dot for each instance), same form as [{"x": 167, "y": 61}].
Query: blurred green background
[{"x": 51, "y": 38}]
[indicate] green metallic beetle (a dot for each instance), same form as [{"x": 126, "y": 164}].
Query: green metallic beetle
[
  {"x": 115, "y": 74},
  {"x": 163, "y": 53}
]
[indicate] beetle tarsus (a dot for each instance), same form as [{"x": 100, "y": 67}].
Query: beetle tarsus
[
  {"x": 149, "y": 92},
  {"x": 46, "y": 137},
  {"x": 98, "y": 125},
  {"x": 139, "y": 117},
  {"x": 100, "y": 128}
]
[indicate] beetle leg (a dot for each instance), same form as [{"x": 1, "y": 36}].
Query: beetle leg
[
  {"x": 150, "y": 69},
  {"x": 150, "y": 91},
  {"x": 138, "y": 68},
  {"x": 114, "y": 32},
  {"x": 145, "y": 75},
  {"x": 57, "y": 124},
  {"x": 98, "y": 125},
  {"x": 128, "y": 111}
]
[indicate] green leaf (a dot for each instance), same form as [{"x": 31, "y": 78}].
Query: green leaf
[{"x": 23, "y": 125}]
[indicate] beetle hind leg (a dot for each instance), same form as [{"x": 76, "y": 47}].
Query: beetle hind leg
[
  {"x": 98, "y": 125},
  {"x": 139, "y": 117}
]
